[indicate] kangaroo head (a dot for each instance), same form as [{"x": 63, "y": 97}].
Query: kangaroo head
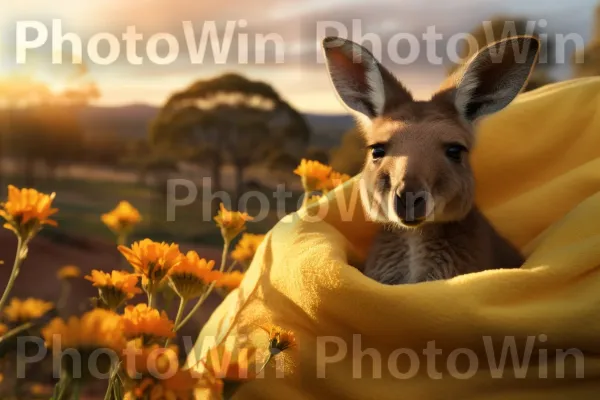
[{"x": 417, "y": 169}]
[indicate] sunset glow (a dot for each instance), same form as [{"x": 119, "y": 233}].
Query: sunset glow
[{"x": 302, "y": 81}]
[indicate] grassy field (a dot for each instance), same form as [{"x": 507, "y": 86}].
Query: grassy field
[{"x": 82, "y": 202}]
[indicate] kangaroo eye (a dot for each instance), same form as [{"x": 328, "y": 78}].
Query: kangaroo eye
[
  {"x": 378, "y": 151},
  {"x": 455, "y": 152}
]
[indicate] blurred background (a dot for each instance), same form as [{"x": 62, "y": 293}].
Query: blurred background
[{"x": 97, "y": 134}]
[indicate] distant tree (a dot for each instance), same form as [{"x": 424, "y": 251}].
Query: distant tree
[
  {"x": 349, "y": 157},
  {"x": 229, "y": 119},
  {"x": 158, "y": 168},
  {"x": 590, "y": 55},
  {"x": 39, "y": 125},
  {"x": 503, "y": 26},
  {"x": 109, "y": 149}
]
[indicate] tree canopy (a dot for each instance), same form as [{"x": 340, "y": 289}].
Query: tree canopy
[{"x": 230, "y": 119}]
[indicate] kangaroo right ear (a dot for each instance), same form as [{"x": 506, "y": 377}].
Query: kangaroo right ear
[
  {"x": 495, "y": 76},
  {"x": 362, "y": 83}
]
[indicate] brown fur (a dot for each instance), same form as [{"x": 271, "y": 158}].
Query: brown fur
[
  {"x": 457, "y": 239},
  {"x": 451, "y": 237}
]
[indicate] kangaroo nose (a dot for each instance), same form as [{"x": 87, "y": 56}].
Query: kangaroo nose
[{"x": 411, "y": 205}]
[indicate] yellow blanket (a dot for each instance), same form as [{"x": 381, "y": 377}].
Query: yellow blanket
[{"x": 538, "y": 171}]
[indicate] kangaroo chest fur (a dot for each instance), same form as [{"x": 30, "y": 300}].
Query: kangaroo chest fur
[{"x": 438, "y": 251}]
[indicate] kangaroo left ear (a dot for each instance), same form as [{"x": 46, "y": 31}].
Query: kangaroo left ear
[
  {"x": 495, "y": 76},
  {"x": 361, "y": 82}
]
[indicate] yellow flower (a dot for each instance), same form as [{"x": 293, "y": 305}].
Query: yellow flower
[
  {"x": 27, "y": 310},
  {"x": 152, "y": 359},
  {"x": 68, "y": 272},
  {"x": 180, "y": 386},
  {"x": 152, "y": 260},
  {"x": 190, "y": 277},
  {"x": 313, "y": 174},
  {"x": 279, "y": 339},
  {"x": 26, "y": 211},
  {"x": 94, "y": 330},
  {"x": 246, "y": 248},
  {"x": 232, "y": 223},
  {"x": 3, "y": 329},
  {"x": 122, "y": 219},
  {"x": 230, "y": 280},
  {"x": 161, "y": 375},
  {"x": 37, "y": 389},
  {"x": 141, "y": 321},
  {"x": 115, "y": 287},
  {"x": 334, "y": 180}
]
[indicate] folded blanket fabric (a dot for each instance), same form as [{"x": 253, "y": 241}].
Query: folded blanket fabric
[{"x": 537, "y": 165}]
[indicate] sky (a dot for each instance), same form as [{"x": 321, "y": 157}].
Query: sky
[{"x": 295, "y": 69}]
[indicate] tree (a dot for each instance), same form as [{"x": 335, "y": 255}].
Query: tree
[
  {"x": 590, "y": 55},
  {"x": 504, "y": 26},
  {"x": 229, "y": 119},
  {"x": 41, "y": 125}
]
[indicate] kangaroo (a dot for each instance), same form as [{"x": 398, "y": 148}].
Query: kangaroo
[{"x": 417, "y": 180}]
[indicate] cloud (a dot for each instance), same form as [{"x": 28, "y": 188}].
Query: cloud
[{"x": 296, "y": 22}]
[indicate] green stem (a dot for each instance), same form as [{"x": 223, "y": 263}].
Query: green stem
[
  {"x": 224, "y": 255},
  {"x": 63, "y": 387},
  {"x": 265, "y": 364},
  {"x": 305, "y": 198},
  {"x": 19, "y": 258},
  {"x": 150, "y": 299},
  {"x": 16, "y": 331},
  {"x": 112, "y": 382},
  {"x": 122, "y": 239},
  {"x": 64, "y": 295},
  {"x": 182, "y": 303},
  {"x": 109, "y": 389},
  {"x": 76, "y": 390},
  {"x": 233, "y": 264},
  {"x": 197, "y": 306}
]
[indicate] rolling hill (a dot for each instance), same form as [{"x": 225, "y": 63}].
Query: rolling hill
[{"x": 133, "y": 121}]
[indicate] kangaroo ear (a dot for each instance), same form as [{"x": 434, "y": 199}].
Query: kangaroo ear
[
  {"x": 495, "y": 76},
  {"x": 363, "y": 85}
]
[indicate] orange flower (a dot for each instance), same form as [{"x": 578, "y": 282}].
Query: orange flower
[
  {"x": 180, "y": 386},
  {"x": 313, "y": 174},
  {"x": 224, "y": 370},
  {"x": 115, "y": 287},
  {"x": 147, "y": 323},
  {"x": 190, "y": 276},
  {"x": 96, "y": 329},
  {"x": 152, "y": 260},
  {"x": 279, "y": 338},
  {"x": 26, "y": 211},
  {"x": 161, "y": 376},
  {"x": 27, "y": 310},
  {"x": 3, "y": 329},
  {"x": 334, "y": 180},
  {"x": 153, "y": 359},
  {"x": 221, "y": 363},
  {"x": 37, "y": 389},
  {"x": 230, "y": 280},
  {"x": 232, "y": 223},
  {"x": 68, "y": 272},
  {"x": 122, "y": 219},
  {"x": 246, "y": 248}
]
